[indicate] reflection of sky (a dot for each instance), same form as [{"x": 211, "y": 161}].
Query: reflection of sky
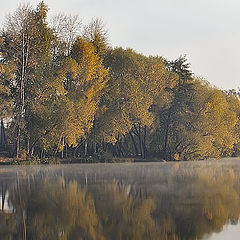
[
  {"x": 230, "y": 232},
  {"x": 207, "y": 31},
  {"x": 7, "y": 206}
]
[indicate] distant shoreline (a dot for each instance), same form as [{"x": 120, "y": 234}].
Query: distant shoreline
[{"x": 56, "y": 161}]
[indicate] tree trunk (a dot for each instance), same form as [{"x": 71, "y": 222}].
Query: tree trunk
[
  {"x": 18, "y": 141},
  {"x": 134, "y": 143},
  {"x": 166, "y": 135},
  {"x": 25, "y": 52},
  {"x": 41, "y": 154},
  {"x": 144, "y": 142},
  {"x": 122, "y": 149},
  {"x": 28, "y": 145},
  {"x": 77, "y": 147},
  {"x": 85, "y": 148},
  {"x": 63, "y": 147},
  {"x": 66, "y": 150},
  {"x": 140, "y": 141}
]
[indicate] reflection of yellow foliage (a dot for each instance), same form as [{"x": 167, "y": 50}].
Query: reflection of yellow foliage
[
  {"x": 62, "y": 211},
  {"x": 176, "y": 201}
]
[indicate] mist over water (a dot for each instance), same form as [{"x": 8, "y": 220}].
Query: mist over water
[{"x": 172, "y": 201}]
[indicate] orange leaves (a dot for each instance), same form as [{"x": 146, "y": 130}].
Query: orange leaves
[{"x": 79, "y": 82}]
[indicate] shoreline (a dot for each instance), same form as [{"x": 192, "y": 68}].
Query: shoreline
[{"x": 55, "y": 161}]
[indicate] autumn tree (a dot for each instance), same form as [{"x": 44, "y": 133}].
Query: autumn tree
[
  {"x": 26, "y": 43},
  {"x": 77, "y": 84},
  {"x": 135, "y": 83},
  {"x": 7, "y": 70}
]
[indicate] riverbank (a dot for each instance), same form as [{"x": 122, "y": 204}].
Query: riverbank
[{"x": 37, "y": 161}]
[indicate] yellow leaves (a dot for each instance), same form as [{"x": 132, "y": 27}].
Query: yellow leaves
[
  {"x": 1, "y": 69},
  {"x": 88, "y": 78},
  {"x": 234, "y": 103},
  {"x": 90, "y": 93},
  {"x": 205, "y": 146},
  {"x": 73, "y": 92},
  {"x": 156, "y": 77},
  {"x": 80, "y": 121},
  {"x": 89, "y": 64},
  {"x": 6, "y": 98},
  {"x": 137, "y": 83},
  {"x": 117, "y": 124},
  {"x": 88, "y": 74},
  {"x": 71, "y": 66},
  {"x": 206, "y": 126},
  {"x": 216, "y": 120},
  {"x": 7, "y": 70},
  {"x": 4, "y": 90}
]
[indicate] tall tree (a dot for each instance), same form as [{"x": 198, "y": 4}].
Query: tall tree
[
  {"x": 66, "y": 29},
  {"x": 77, "y": 83},
  {"x": 7, "y": 69},
  {"x": 135, "y": 83},
  {"x": 26, "y": 42},
  {"x": 96, "y": 33},
  {"x": 178, "y": 107}
]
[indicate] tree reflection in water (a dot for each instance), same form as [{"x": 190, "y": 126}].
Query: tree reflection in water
[{"x": 175, "y": 202}]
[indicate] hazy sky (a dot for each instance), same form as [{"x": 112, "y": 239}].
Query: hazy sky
[{"x": 207, "y": 31}]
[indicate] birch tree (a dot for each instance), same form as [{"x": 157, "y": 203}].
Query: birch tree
[{"x": 26, "y": 42}]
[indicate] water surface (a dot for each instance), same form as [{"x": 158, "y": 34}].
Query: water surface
[{"x": 141, "y": 201}]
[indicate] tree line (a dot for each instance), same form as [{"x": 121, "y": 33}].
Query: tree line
[{"x": 65, "y": 92}]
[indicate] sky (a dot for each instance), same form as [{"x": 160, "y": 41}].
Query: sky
[{"x": 206, "y": 31}]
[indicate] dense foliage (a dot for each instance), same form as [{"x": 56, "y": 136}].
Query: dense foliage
[{"x": 65, "y": 92}]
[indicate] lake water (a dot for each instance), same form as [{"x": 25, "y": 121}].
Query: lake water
[{"x": 141, "y": 201}]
